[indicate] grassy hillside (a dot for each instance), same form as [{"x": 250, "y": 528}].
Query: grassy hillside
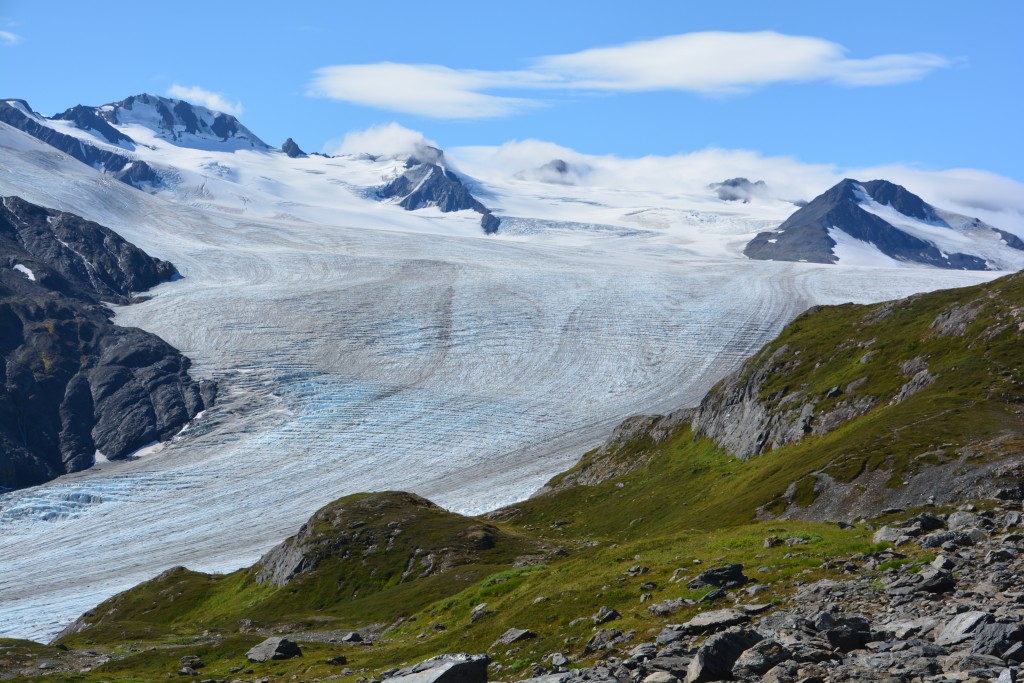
[{"x": 662, "y": 501}]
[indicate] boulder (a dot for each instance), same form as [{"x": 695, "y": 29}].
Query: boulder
[
  {"x": 604, "y": 615},
  {"x": 712, "y": 622},
  {"x": 273, "y": 648},
  {"x": 661, "y": 677},
  {"x": 448, "y": 668},
  {"x": 760, "y": 658},
  {"x": 717, "y": 656},
  {"x": 962, "y": 627},
  {"x": 729, "y": 576},
  {"x": 514, "y": 635},
  {"x": 962, "y": 521},
  {"x": 996, "y": 639}
]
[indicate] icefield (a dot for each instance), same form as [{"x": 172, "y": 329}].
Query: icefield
[{"x": 366, "y": 348}]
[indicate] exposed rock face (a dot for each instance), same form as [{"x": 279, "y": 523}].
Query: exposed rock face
[
  {"x": 73, "y": 383},
  {"x": 428, "y": 182},
  {"x": 92, "y": 261},
  {"x": 745, "y": 423},
  {"x": 121, "y": 166},
  {"x": 291, "y": 149},
  {"x": 804, "y": 236},
  {"x": 86, "y": 118}
]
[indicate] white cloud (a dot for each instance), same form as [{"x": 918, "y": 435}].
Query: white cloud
[
  {"x": 8, "y": 39},
  {"x": 423, "y": 89},
  {"x": 995, "y": 199},
  {"x": 711, "y": 62},
  {"x": 388, "y": 140},
  {"x": 211, "y": 100}
]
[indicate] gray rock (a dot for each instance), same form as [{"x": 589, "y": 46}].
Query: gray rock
[
  {"x": 447, "y": 668},
  {"x": 675, "y": 665},
  {"x": 729, "y": 576},
  {"x": 661, "y": 677},
  {"x": 887, "y": 534},
  {"x": 668, "y": 607},
  {"x": 670, "y": 634},
  {"x": 932, "y": 580},
  {"x": 962, "y": 521},
  {"x": 717, "y": 656},
  {"x": 603, "y": 640},
  {"x": 711, "y": 622},
  {"x": 962, "y": 627},
  {"x": 996, "y": 639},
  {"x": 352, "y": 637},
  {"x": 514, "y": 635},
  {"x": 604, "y": 615},
  {"x": 273, "y": 648},
  {"x": 760, "y": 658}
]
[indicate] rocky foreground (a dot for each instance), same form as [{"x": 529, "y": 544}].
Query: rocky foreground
[{"x": 957, "y": 618}]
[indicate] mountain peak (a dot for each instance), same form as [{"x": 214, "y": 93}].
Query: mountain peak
[
  {"x": 877, "y": 220},
  {"x": 181, "y": 122},
  {"x": 292, "y": 149}
]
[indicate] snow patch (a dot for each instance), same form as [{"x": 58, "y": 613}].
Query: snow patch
[
  {"x": 26, "y": 271},
  {"x": 850, "y": 251}
]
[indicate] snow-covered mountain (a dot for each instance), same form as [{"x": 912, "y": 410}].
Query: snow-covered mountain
[
  {"x": 880, "y": 223},
  {"x": 208, "y": 158}
]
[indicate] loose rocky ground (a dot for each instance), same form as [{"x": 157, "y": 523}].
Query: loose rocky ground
[{"x": 940, "y": 600}]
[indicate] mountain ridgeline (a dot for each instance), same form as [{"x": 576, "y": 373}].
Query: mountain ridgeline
[
  {"x": 886, "y": 218},
  {"x": 73, "y": 384},
  {"x": 101, "y": 137}
]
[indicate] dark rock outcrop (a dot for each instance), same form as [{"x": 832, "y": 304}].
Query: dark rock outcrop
[
  {"x": 86, "y": 118},
  {"x": 427, "y": 181},
  {"x": 71, "y": 382},
  {"x": 804, "y": 236},
  {"x": 292, "y": 149}
]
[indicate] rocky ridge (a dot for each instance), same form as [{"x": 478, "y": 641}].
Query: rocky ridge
[
  {"x": 73, "y": 383},
  {"x": 122, "y": 165}
]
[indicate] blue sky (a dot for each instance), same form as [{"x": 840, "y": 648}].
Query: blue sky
[{"x": 933, "y": 85}]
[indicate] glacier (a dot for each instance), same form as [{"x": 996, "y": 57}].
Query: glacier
[{"x": 359, "y": 347}]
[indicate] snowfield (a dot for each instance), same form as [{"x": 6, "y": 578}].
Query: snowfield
[{"x": 360, "y": 347}]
